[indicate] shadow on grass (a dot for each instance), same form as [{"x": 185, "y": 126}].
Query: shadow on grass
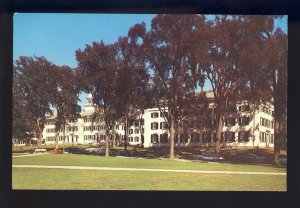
[{"x": 263, "y": 157}]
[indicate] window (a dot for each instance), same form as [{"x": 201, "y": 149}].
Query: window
[
  {"x": 154, "y": 138},
  {"x": 263, "y": 137},
  {"x": 154, "y": 125},
  {"x": 243, "y": 108},
  {"x": 164, "y": 138},
  {"x": 262, "y": 121},
  {"x": 154, "y": 115},
  {"x": 231, "y": 122},
  {"x": 268, "y": 137},
  {"x": 130, "y": 131},
  {"x": 130, "y": 139},
  {"x": 224, "y": 137},
  {"x": 117, "y": 127},
  {"x": 230, "y": 136},
  {"x": 136, "y": 139},
  {"x": 136, "y": 131},
  {"x": 272, "y": 125},
  {"x": 245, "y": 120},
  {"x": 163, "y": 125},
  {"x": 272, "y": 139},
  {"x": 243, "y": 136}
]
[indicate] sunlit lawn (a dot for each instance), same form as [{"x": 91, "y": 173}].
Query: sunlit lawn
[
  {"x": 30, "y": 178},
  {"x": 24, "y": 178},
  {"x": 101, "y": 161}
]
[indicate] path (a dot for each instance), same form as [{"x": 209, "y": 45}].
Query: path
[
  {"x": 29, "y": 155},
  {"x": 150, "y": 170}
]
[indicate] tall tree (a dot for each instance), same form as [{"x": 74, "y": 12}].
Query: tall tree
[
  {"x": 65, "y": 99},
  {"x": 228, "y": 67},
  {"x": 133, "y": 77},
  {"x": 37, "y": 87},
  {"x": 97, "y": 63},
  {"x": 23, "y": 124},
  {"x": 271, "y": 77},
  {"x": 170, "y": 50}
]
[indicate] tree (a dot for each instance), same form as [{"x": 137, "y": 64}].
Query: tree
[
  {"x": 36, "y": 87},
  {"x": 97, "y": 63},
  {"x": 272, "y": 82},
  {"x": 65, "y": 99},
  {"x": 133, "y": 77},
  {"x": 229, "y": 67},
  {"x": 170, "y": 54},
  {"x": 23, "y": 125}
]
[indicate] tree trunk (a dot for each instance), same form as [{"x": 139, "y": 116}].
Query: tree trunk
[
  {"x": 114, "y": 136},
  {"x": 277, "y": 140},
  {"x": 280, "y": 107},
  {"x": 64, "y": 137},
  {"x": 125, "y": 135},
  {"x": 39, "y": 139},
  {"x": 106, "y": 143},
  {"x": 171, "y": 142},
  {"x": 219, "y": 133}
]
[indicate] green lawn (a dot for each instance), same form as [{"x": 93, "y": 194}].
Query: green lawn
[
  {"x": 63, "y": 179},
  {"x": 24, "y": 178},
  {"x": 100, "y": 161}
]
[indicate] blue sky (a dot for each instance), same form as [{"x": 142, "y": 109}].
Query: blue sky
[{"x": 58, "y": 36}]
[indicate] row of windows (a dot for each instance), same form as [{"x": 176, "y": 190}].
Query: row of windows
[
  {"x": 243, "y": 121},
  {"x": 93, "y": 128},
  {"x": 51, "y": 138},
  {"x": 265, "y": 137},
  {"x": 72, "y": 128},
  {"x": 136, "y": 131},
  {"x": 50, "y": 130},
  {"x": 50, "y": 123},
  {"x": 133, "y": 139},
  {"x": 90, "y": 137},
  {"x": 162, "y": 125},
  {"x": 267, "y": 110},
  {"x": 155, "y": 115},
  {"x": 163, "y": 138},
  {"x": 267, "y": 123},
  {"x": 118, "y": 127},
  {"x": 205, "y": 137}
]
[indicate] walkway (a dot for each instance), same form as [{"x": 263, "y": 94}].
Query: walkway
[
  {"x": 29, "y": 155},
  {"x": 149, "y": 170}
]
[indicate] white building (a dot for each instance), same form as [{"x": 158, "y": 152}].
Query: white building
[{"x": 249, "y": 126}]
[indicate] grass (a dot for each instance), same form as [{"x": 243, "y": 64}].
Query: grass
[
  {"x": 27, "y": 178},
  {"x": 64, "y": 179},
  {"x": 101, "y": 161}
]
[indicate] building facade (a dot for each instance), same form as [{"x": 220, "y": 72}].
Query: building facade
[{"x": 247, "y": 126}]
